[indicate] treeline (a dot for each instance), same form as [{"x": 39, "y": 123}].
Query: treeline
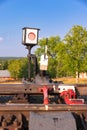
[
  {"x": 18, "y": 67},
  {"x": 66, "y": 57}
]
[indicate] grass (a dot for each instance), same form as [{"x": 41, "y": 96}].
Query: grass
[
  {"x": 65, "y": 81},
  {"x": 72, "y": 80},
  {"x": 10, "y": 81}
]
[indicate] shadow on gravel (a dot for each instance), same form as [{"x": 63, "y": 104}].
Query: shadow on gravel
[{"x": 80, "y": 122}]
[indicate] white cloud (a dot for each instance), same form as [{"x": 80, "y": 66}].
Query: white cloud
[{"x": 1, "y": 39}]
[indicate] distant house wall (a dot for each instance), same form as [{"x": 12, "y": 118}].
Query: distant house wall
[
  {"x": 5, "y": 75},
  {"x": 83, "y": 75}
]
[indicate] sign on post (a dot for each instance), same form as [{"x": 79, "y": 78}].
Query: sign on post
[
  {"x": 44, "y": 62},
  {"x": 30, "y": 36}
]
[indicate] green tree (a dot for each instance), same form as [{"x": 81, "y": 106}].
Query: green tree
[
  {"x": 23, "y": 72},
  {"x": 18, "y": 68},
  {"x": 5, "y": 65},
  {"x": 61, "y": 59},
  {"x": 52, "y": 52},
  {"x": 76, "y": 49}
]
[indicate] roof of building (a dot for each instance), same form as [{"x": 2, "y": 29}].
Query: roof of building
[{"x": 4, "y": 73}]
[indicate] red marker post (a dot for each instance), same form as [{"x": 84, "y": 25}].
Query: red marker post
[{"x": 44, "y": 89}]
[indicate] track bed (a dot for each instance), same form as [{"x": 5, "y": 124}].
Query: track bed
[{"x": 18, "y": 104}]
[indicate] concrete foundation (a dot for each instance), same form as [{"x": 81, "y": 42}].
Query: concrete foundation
[{"x": 52, "y": 121}]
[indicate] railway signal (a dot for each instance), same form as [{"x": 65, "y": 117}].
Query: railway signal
[
  {"x": 30, "y": 36},
  {"x": 30, "y": 39}
]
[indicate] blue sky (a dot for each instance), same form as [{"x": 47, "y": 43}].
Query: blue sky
[{"x": 52, "y": 17}]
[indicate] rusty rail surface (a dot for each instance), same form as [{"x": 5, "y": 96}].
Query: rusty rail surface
[
  {"x": 42, "y": 107},
  {"x": 33, "y": 88},
  {"x": 15, "y": 112},
  {"x": 17, "y": 116}
]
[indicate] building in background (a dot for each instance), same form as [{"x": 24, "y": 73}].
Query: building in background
[
  {"x": 5, "y": 75},
  {"x": 83, "y": 75}
]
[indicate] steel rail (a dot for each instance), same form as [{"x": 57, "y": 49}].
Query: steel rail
[
  {"x": 42, "y": 107},
  {"x": 33, "y": 88}
]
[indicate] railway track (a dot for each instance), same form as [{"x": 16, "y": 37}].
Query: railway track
[
  {"x": 18, "y": 116},
  {"x": 42, "y": 108},
  {"x": 16, "y": 108}
]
